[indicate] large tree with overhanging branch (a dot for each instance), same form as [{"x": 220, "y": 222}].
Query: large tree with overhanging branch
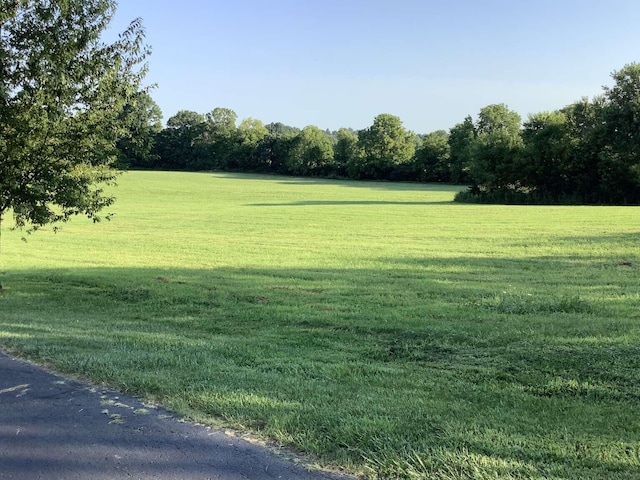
[{"x": 62, "y": 92}]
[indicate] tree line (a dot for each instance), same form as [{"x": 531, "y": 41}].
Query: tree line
[{"x": 586, "y": 152}]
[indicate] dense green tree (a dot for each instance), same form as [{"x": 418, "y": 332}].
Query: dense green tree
[
  {"x": 495, "y": 162},
  {"x": 281, "y": 130},
  {"x": 62, "y": 91},
  {"x": 461, "y": 137},
  {"x": 180, "y": 144},
  {"x": 588, "y": 139},
  {"x": 272, "y": 151},
  {"x": 546, "y": 156},
  {"x": 186, "y": 120},
  {"x": 220, "y": 138},
  {"x": 346, "y": 153},
  {"x": 620, "y": 161},
  {"x": 431, "y": 161},
  {"x": 142, "y": 119},
  {"x": 311, "y": 153},
  {"x": 588, "y": 151},
  {"x": 498, "y": 117},
  {"x": 623, "y": 110},
  {"x": 496, "y": 149},
  {"x": 250, "y": 133},
  {"x": 222, "y": 120},
  {"x": 385, "y": 145}
]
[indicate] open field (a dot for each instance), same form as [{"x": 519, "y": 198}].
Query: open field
[{"x": 377, "y": 326}]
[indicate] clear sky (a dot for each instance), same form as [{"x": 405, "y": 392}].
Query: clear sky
[{"x": 339, "y": 63}]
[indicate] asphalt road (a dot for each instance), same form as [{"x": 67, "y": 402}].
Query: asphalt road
[{"x": 55, "y": 428}]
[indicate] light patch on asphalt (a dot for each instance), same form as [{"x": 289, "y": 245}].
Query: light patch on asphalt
[
  {"x": 113, "y": 403},
  {"x": 116, "y": 419},
  {"x": 14, "y": 389}
]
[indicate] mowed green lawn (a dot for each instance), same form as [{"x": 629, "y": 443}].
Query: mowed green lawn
[{"x": 379, "y": 327}]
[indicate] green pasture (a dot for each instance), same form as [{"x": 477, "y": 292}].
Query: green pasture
[{"x": 377, "y": 328}]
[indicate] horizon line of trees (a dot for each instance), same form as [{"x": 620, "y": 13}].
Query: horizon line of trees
[{"x": 585, "y": 153}]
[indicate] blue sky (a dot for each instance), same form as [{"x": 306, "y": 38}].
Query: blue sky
[{"x": 335, "y": 63}]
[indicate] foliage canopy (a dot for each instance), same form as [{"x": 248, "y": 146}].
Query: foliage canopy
[{"x": 62, "y": 93}]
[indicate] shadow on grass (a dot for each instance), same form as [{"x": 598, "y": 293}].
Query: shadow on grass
[
  {"x": 307, "y": 203},
  {"x": 632, "y": 238},
  {"x": 333, "y": 360},
  {"x": 371, "y": 184}
]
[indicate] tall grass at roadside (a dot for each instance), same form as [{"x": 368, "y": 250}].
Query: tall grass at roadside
[{"x": 379, "y": 327}]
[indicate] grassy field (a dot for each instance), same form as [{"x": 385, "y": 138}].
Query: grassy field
[{"x": 379, "y": 327}]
